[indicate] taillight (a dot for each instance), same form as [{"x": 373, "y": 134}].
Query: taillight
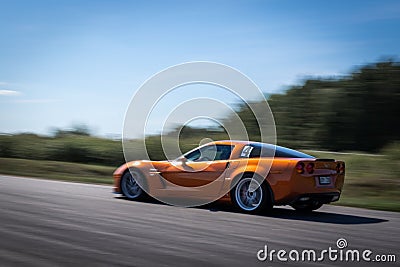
[
  {"x": 300, "y": 167},
  {"x": 340, "y": 168},
  {"x": 310, "y": 168}
]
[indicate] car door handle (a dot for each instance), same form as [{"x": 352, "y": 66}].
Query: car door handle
[{"x": 227, "y": 165}]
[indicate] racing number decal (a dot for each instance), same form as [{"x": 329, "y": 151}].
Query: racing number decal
[{"x": 246, "y": 151}]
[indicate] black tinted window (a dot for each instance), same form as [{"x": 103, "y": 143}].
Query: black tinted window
[
  {"x": 210, "y": 153},
  {"x": 256, "y": 150}
]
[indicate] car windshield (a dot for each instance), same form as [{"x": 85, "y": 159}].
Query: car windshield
[
  {"x": 210, "y": 153},
  {"x": 255, "y": 150}
]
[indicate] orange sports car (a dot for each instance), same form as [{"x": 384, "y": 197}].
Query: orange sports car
[{"x": 252, "y": 175}]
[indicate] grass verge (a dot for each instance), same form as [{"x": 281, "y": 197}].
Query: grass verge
[{"x": 57, "y": 170}]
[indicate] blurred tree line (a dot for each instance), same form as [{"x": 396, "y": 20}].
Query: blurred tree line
[
  {"x": 358, "y": 112},
  {"x": 70, "y": 146}
]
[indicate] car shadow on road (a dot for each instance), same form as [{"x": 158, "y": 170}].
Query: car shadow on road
[
  {"x": 288, "y": 214},
  {"x": 315, "y": 216},
  {"x": 324, "y": 217}
]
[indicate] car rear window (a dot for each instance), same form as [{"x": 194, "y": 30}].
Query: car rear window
[{"x": 256, "y": 150}]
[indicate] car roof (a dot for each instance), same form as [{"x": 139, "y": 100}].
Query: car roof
[
  {"x": 229, "y": 142},
  {"x": 288, "y": 152}
]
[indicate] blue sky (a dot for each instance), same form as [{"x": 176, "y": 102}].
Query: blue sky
[{"x": 69, "y": 62}]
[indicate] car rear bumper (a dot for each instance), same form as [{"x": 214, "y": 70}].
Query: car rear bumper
[{"x": 323, "y": 198}]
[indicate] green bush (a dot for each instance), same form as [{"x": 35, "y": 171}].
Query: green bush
[{"x": 70, "y": 148}]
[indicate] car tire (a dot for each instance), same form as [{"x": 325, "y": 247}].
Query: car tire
[
  {"x": 307, "y": 207},
  {"x": 130, "y": 187},
  {"x": 251, "y": 202}
]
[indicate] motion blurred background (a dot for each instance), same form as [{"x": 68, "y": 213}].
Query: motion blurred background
[{"x": 330, "y": 73}]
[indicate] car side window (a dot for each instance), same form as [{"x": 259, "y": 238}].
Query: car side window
[
  {"x": 267, "y": 150},
  {"x": 256, "y": 151},
  {"x": 210, "y": 153},
  {"x": 251, "y": 151},
  {"x": 193, "y": 156}
]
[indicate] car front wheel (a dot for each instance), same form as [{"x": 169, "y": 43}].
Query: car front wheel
[{"x": 130, "y": 187}]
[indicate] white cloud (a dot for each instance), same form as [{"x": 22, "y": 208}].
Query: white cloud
[{"x": 9, "y": 92}]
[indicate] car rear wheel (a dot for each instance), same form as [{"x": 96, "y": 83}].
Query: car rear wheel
[
  {"x": 250, "y": 200},
  {"x": 130, "y": 187},
  {"x": 307, "y": 207}
]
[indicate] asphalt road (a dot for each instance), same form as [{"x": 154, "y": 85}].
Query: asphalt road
[{"x": 48, "y": 223}]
